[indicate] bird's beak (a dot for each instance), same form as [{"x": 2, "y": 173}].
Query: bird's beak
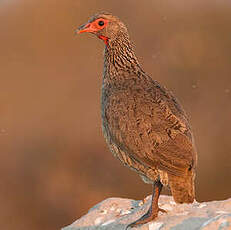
[
  {"x": 83, "y": 28},
  {"x": 88, "y": 27}
]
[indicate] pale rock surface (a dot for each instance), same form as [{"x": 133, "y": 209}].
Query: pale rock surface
[{"x": 117, "y": 213}]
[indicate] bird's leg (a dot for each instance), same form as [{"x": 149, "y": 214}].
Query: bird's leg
[{"x": 153, "y": 210}]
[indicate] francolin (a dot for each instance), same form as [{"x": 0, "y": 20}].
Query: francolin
[{"x": 144, "y": 124}]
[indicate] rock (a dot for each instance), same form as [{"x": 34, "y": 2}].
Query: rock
[{"x": 117, "y": 213}]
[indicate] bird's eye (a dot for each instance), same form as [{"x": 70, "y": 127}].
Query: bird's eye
[{"x": 101, "y": 23}]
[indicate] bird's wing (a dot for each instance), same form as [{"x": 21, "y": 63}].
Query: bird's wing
[{"x": 151, "y": 126}]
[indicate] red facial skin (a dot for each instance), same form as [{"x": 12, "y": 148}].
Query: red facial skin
[
  {"x": 94, "y": 27},
  {"x": 105, "y": 39}
]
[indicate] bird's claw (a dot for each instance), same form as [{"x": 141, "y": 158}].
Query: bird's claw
[{"x": 147, "y": 217}]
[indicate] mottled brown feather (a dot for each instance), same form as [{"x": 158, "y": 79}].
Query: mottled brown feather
[{"x": 144, "y": 125}]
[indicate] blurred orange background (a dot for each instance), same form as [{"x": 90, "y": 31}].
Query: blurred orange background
[{"x": 54, "y": 162}]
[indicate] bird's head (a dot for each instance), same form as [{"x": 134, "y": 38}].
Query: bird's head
[{"x": 105, "y": 26}]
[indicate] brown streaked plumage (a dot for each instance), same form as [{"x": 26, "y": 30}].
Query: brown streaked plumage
[{"x": 143, "y": 123}]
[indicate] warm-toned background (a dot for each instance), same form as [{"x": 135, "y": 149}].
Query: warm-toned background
[{"x": 54, "y": 163}]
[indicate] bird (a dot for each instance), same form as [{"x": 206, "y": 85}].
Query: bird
[{"x": 143, "y": 123}]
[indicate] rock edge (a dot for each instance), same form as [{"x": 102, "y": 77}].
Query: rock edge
[{"x": 117, "y": 213}]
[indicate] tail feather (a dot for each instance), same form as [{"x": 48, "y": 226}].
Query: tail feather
[{"x": 182, "y": 187}]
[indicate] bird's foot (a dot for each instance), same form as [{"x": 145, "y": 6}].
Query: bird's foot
[
  {"x": 147, "y": 217},
  {"x": 162, "y": 210}
]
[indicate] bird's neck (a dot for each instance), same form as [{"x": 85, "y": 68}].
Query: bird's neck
[{"x": 120, "y": 59}]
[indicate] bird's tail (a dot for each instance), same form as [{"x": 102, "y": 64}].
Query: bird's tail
[{"x": 182, "y": 187}]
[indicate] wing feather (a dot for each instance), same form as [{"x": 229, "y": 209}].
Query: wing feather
[{"x": 151, "y": 126}]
